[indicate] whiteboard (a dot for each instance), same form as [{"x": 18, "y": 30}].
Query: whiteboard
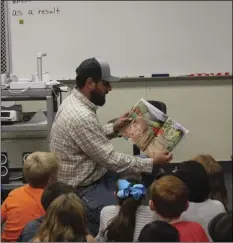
[{"x": 136, "y": 37}]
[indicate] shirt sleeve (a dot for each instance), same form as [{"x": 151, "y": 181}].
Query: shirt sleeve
[
  {"x": 100, "y": 237},
  {"x": 222, "y": 209},
  {"x": 3, "y": 211},
  {"x": 90, "y": 137},
  {"x": 108, "y": 129}
]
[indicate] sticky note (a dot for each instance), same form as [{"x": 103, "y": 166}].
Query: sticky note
[{"x": 21, "y": 21}]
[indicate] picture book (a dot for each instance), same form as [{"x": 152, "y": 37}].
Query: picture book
[{"x": 152, "y": 130}]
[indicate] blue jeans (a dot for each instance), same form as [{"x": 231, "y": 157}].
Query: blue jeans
[{"x": 96, "y": 196}]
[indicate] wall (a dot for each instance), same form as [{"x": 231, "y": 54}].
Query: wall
[{"x": 203, "y": 105}]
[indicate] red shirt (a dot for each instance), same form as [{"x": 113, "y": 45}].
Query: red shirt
[{"x": 191, "y": 232}]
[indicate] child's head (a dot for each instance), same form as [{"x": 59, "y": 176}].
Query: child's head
[
  {"x": 215, "y": 173},
  {"x": 159, "y": 231},
  {"x": 169, "y": 197},
  {"x": 196, "y": 179},
  {"x": 129, "y": 194},
  {"x": 40, "y": 169},
  {"x": 53, "y": 191},
  {"x": 65, "y": 220},
  {"x": 220, "y": 228}
]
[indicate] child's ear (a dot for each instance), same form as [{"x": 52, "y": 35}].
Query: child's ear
[
  {"x": 114, "y": 193},
  {"x": 152, "y": 206}
]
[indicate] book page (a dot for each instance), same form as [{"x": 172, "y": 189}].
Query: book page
[
  {"x": 146, "y": 122},
  {"x": 168, "y": 137},
  {"x": 149, "y": 112}
]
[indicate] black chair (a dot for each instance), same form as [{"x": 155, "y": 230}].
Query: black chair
[{"x": 159, "y": 105}]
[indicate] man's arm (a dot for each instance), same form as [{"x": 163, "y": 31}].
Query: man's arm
[
  {"x": 90, "y": 138},
  {"x": 109, "y": 130}
]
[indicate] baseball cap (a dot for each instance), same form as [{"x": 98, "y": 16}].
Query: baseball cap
[{"x": 96, "y": 69}]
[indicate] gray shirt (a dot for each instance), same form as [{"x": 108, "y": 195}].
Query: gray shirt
[{"x": 203, "y": 212}]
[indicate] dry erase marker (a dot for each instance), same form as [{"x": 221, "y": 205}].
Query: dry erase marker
[{"x": 160, "y": 75}]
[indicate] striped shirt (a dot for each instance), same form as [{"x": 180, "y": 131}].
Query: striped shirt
[
  {"x": 144, "y": 216},
  {"x": 82, "y": 146}
]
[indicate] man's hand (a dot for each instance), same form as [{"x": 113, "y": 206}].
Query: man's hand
[
  {"x": 162, "y": 158},
  {"x": 121, "y": 122}
]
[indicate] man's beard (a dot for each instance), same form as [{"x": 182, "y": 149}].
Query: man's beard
[{"x": 97, "y": 98}]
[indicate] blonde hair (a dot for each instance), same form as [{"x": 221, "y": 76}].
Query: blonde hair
[
  {"x": 170, "y": 196},
  {"x": 215, "y": 173},
  {"x": 65, "y": 220},
  {"x": 39, "y": 168}
]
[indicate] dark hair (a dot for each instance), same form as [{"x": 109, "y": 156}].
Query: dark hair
[
  {"x": 220, "y": 227},
  {"x": 195, "y": 177},
  {"x": 170, "y": 196},
  {"x": 122, "y": 227},
  {"x": 215, "y": 173},
  {"x": 53, "y": 191},
  {"x": 159, "y": 231},
  {"x": 89, "y": 68}
]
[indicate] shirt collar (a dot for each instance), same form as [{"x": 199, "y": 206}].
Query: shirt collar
[{"x": 84, "y": 99}]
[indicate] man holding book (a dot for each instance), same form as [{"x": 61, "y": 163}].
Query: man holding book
[{"x": 82, "y": 144}]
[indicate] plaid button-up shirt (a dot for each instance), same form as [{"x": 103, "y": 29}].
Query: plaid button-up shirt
[{"x": 82, "y": 146}]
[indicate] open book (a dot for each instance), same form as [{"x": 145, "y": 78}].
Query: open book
[{"x": 152, "y": 130}]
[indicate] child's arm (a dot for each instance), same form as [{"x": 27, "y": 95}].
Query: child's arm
[
  {"x": 3, "y": 220},
  {"x": 100, "y": 237},
  {"x": 3, "y": 212}
]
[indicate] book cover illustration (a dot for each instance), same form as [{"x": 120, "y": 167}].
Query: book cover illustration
[
  {"x": 146, "y": 123},
  {"x": 169, "y": 136},
  {"x": 152, "y": 130}
]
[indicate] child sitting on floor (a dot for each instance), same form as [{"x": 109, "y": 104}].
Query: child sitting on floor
[
  {"x": 201, "y": 208},
  {"x": 220, "y": 227},
  {"x": 215, "y": 174},
  {"x": 23, "y": 204},
  {"x": 65, "y": 221},
  {"x": 169, "y": 199},
  {"x": 123, "y": 222},
  {"x": 50, "y": 193}
]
